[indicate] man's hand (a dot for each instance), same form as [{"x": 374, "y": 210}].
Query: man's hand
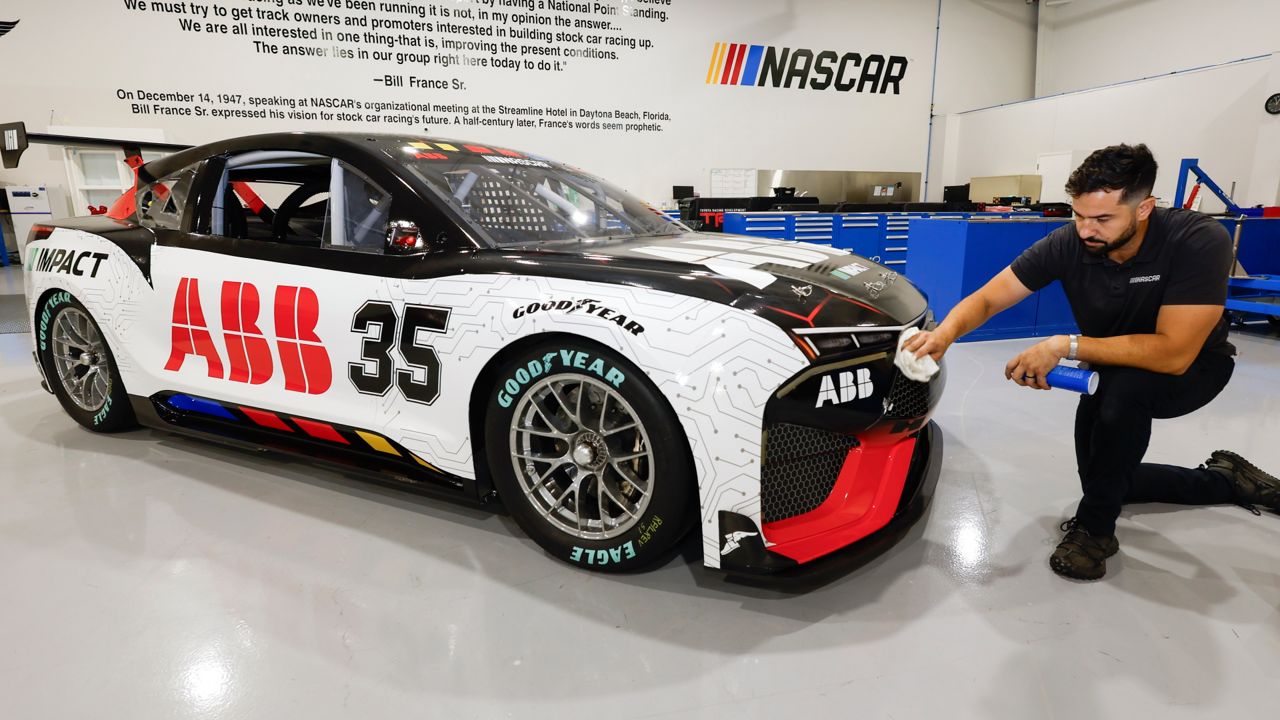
[
  {"x": 1031, "y": 365},
  {"x": 928, "y": 342}
]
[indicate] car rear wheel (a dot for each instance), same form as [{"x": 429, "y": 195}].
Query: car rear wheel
[
  {"x": 589, "y": 458},
  {"x": 79, "y": 366}
]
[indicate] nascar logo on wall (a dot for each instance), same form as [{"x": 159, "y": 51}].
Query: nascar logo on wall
[{"x": 765, "y": 65}]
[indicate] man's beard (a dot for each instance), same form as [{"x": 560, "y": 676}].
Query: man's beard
[{"x": 1117, "y": 243}]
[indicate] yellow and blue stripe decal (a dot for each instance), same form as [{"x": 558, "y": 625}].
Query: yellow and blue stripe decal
[
  {"x": 377, "y": 442},
  {"x": 188, "y": 403},
  {"x": 336, "y": 434}
]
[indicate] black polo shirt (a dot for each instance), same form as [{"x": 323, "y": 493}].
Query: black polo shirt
[{"x": 1185, "y": 259}]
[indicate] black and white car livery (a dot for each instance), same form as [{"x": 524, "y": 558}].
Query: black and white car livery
[{"x": 473, "y": 319}]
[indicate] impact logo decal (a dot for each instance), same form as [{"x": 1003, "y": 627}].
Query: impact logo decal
[
  {"x": 851, "y": 387},
  {"x": 765, "y": 65},
  {"x": 7, "y": 25},
  {"x": 68, "y": 262}
]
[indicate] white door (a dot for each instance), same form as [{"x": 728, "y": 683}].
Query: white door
[{"x": 1054, "y": 169}]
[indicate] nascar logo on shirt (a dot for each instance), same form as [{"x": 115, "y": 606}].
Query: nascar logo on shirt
[{"x": 761, "y": 65}]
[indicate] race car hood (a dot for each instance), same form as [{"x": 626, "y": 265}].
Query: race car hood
[{"x": 796, "y": 285}]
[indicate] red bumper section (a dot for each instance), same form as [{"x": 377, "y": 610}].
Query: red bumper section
[
  {"x": 883, "y": 487},
  {"x": 865, "y": 496}
]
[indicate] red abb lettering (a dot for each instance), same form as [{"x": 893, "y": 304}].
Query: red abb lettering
[
  {"x": 190, "y": 333},
  {"x": 303, "y": 358},
  {"x": 247, "y": 349}
]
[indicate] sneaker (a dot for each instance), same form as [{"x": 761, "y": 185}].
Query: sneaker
[
  {"x": 1082, "y": 556},
  {"x": 1251, "y": 485}
]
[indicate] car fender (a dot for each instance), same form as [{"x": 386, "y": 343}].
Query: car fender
[
  {"x": 99, "y": 274},
  {"x": 716, "y": 365}
]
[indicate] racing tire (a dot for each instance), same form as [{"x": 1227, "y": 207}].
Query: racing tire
[
  {"x": 589, "y": 458},
  {"x": 79, "y": 366}
]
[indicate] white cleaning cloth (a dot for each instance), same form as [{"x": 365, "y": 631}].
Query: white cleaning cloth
[{"x": 919, "y": 369}]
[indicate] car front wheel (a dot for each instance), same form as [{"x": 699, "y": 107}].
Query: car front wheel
[{"x": 589, "y": 458}]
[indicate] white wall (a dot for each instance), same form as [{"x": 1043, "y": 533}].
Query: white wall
[
  {"x": 1088, "y": 43},
  {"x": 986, "y": 56},
  {"x": 102, "y": 47},
  {"x": 1215, "y": 115}
]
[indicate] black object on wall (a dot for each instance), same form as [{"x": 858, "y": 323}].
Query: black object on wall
[{"x": 955, "y": 193}]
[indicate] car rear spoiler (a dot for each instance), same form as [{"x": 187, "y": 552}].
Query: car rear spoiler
[{"x": 14, "y": 140}]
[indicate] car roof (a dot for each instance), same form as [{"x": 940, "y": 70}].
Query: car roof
[{"x": 328, "y": 143}]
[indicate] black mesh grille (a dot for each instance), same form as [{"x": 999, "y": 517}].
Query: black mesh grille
[
  {"x": 907, "y": 398},
  {"x": 800, "y": 469},
  {"x": 497, "y": 206}
]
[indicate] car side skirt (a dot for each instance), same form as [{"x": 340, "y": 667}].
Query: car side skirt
[{"x": 367, "y": 453}]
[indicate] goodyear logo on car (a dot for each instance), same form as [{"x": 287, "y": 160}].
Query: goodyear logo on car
[{"x": 768, "y": 66}]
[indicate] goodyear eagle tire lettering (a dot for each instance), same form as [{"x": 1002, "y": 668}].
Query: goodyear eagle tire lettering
[
  {"x": 514, "y": 382},
  {"x": 589, "y": 458},
  {"x": 74, "y": 353}
]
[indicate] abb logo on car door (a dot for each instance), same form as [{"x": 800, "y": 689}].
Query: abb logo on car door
[{"x": 303, "y": 359}]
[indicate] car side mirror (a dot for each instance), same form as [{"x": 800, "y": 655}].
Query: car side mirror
[{"x": 403, "y": 238}]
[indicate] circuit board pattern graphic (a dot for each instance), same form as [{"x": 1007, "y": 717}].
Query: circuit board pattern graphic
[{"x": 715, "y": 365}]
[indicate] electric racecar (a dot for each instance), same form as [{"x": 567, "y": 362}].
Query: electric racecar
[{"x": 483, "y": 322}]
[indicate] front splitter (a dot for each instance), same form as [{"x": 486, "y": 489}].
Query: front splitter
[{"x": 751, "y": 557}]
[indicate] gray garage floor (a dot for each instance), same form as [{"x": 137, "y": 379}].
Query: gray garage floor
[{"x": 146, "y": 576}]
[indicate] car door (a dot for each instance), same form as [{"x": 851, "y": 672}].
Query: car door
[{"x": 280, "y": 308}]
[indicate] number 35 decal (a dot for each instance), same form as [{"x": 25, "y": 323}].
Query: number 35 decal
[{"x": 378, "y": 323}]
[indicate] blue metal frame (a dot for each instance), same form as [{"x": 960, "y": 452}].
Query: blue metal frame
[
  {"x": 1192, "y": 165},
  {"x": 1261, "y": 295}
]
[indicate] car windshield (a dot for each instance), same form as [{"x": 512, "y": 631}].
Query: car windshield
[{"x": 516, "y": 199}]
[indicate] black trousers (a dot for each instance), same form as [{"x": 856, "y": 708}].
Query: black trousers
[{"x": 1113, "y": 429}]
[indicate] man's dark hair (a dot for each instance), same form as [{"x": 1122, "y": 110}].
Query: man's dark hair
[{"x": 1130, "y": 168}]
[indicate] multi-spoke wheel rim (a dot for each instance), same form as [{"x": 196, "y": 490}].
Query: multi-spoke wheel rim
[
  {"x": 582, "y": 456},
  {"x": 80, "y": 357}
]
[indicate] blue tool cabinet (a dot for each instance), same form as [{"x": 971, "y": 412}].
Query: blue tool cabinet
[
  {"x": 951, "y": 258},
  {"x": 882, "y": 237}
]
